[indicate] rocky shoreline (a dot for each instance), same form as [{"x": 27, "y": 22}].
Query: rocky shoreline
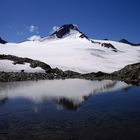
[{"x": 129, "y": 74}]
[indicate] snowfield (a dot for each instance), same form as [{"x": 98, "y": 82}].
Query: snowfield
[
  {"x": 7, "y": 65},
  {"x": 72, "y": 53}
]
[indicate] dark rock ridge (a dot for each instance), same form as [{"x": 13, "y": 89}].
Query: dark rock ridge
[
  {"x": 130, "y": 73},
  {"x": 22, "y": 76},
  {"x": 65, "y": 30},
  {"x": 2, "y": 41},
  {"x": 84, "y": 36},
  {"x": 109, "y": 45},
  {"x": 106, "y": 45},
  {"x": 20, "y": 60},
  {"x": 127, "y": 42}
]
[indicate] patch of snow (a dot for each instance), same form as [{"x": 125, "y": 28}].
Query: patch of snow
[
  {"x": 8, "y": 66},
  {"x": 55, "y": 28}
]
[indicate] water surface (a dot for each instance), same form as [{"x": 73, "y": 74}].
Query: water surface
[{"x": 69, "y": 109}]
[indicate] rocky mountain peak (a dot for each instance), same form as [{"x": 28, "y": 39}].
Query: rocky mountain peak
[{"x": 64, "y": 30}]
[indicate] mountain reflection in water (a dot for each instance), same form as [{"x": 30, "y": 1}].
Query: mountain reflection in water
[{"x": 68, "y": 94}]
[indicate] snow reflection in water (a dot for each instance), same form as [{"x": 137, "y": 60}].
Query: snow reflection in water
[{"x": 69, "y": 94}]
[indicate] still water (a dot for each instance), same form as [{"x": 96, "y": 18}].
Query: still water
[{"x": 71, "y": 109}]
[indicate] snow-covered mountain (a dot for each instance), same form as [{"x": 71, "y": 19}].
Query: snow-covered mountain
[
  {"x": 65, "y": 31},
  {"x": 70, "y": 49}
]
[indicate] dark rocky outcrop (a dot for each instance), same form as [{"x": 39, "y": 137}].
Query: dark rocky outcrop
[
  {"x": 127, "y": 42},
  {"x": 84, "y": 36},
  {"x": 2, "y": 41},
  {"x": 129, "y": 74},
  {"x": 22, "y": 76},
  {"x": 20, "y": 60},
  {"x": 108, "y": 45},
  {"x": 64, "y": 30}
]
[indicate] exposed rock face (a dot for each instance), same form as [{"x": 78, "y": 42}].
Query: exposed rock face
[
  {"x": 2, "y": 41},
  {"x": 22, "y": 76},
  {"x": 127, "y": 42},
  {"x": 130, "y": 73},
  {"x": 64, "y": 30},
  {"x": 108, "y": 45},
  {"x": 83, "y": 36}
]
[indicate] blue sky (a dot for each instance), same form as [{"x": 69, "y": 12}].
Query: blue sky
[{"x": 99, "y": 19}]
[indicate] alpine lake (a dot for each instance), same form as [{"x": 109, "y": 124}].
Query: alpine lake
[{"x": 71, "y": 109}]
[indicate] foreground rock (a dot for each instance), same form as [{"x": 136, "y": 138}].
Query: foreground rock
[
  {"x": 129, "y": 74},
  {"x": 22, "y": 76}
]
